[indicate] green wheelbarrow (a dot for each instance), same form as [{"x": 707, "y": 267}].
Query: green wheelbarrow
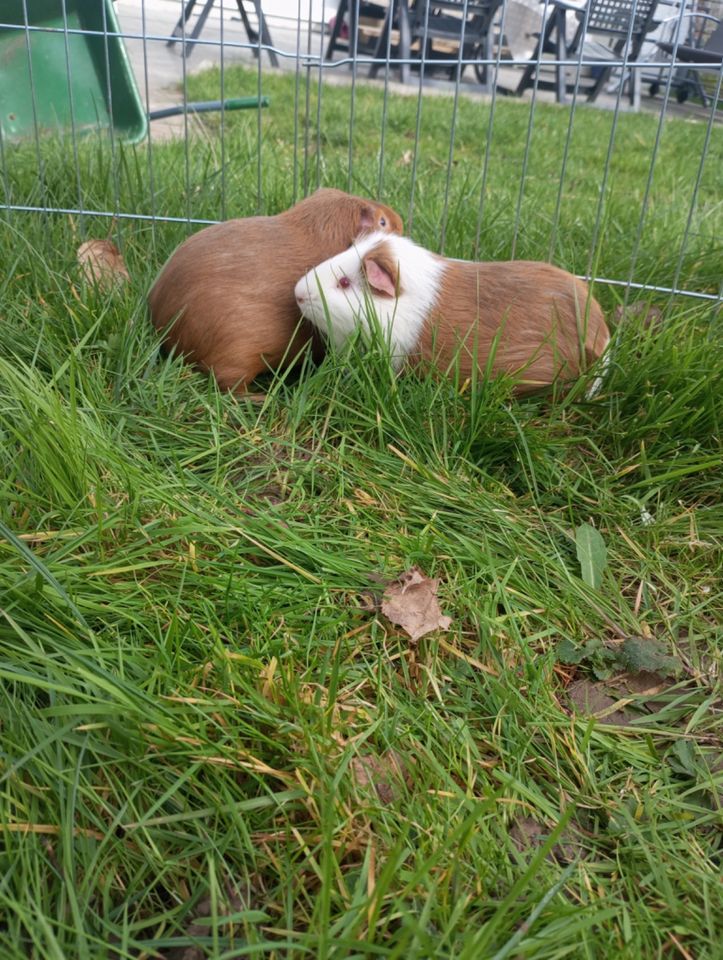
[{"x": 69, "y": 71}]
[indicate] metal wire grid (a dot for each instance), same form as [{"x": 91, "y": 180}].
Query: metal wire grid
[{"x": 308, "y": 61}]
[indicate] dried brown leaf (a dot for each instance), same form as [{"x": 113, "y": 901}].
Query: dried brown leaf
[
  {"x": 384, "y": 774},
  {"x": 647, "y": 313},
  {"x": 369, "y": 601},
  {"x": 589, "y": 698},
  {"x": 101, "y": 262},
  {"x": 411, "y": 603},
  {"x": 641, "y": 684},
  {"x": 526, "y": 834},
  {"x": 646, "y": 691}
]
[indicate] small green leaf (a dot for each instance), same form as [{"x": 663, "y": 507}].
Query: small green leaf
[
  {"x": 567, "y": 652},
  {"x": 594, "y": 653},
  {"x": 591, "y": 553},
  {"x": 682, "y": 758},
  {"x": 650, "y": 656}
]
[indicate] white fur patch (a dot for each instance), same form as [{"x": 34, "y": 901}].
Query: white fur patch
[
  {"x": 338, "y": 311},
  {"x": 596, "y": 386}
]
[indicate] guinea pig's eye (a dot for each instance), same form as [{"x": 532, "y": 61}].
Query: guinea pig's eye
[
  {"x": 344, "y": 282},
  {"x": 382, "y": 221}
]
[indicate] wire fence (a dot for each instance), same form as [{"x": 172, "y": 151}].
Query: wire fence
[{"x": 136, "y": 61}]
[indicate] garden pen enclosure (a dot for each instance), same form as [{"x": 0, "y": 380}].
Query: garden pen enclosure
[
  {"x": 358, "y": 664},
  {"x": 477, "y": 175}
]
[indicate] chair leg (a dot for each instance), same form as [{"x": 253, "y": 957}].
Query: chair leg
[
  {"x": 598, "y": 85},
  {"x": 380, "y": 50},
  {"x": 381, "y": 46},
  {"x": 251, "y": 34},
  {"x": 483, "y": 74},
  {"x": 198, "y": 26},
  {"x": 578, "y": 38},
  {"x": 177, "y": 32},
  {"x": 336, "y": 29},
  {"x": 560, "y": 54},
  {"x": 536, "y": 61},
  {"x": 526, "y": 78},
  {"x": 263, "y": 29},
  {"x": 698, "y": 88},
  {"x": 353, "y": 31},
  {"x": 405, "y": 40}
]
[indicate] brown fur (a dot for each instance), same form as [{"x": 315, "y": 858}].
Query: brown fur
[
  {"x": 225, "y": 298},
  {"x": 534, "y": 320}
]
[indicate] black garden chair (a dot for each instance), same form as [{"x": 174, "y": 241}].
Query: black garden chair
[
  {"x": 464, "y": 24},
  {"x": 607, "y": 30},
  {"x": 702, "y": 50},
  {"x": 421, "y": 27}
]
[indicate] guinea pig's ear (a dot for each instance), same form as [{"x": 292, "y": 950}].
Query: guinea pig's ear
[
  {"x": 381, "y": 275},
  {"x": 367, "y": 219}
]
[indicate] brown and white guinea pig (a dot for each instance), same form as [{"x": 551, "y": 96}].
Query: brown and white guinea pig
[
  {"x": 225, "y": 297},
  {"x": 532, "y": 320}
]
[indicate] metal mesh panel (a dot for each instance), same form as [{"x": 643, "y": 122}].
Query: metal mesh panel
[{"x": 489, "y": 192}]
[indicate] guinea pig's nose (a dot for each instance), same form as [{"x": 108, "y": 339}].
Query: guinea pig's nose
[{"x": 300, "y": 298}]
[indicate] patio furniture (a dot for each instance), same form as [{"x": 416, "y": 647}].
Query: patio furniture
[
  {"x": 189, "y": 39},
  {"x": 607, "y": 30},
  {"x": 704, "y": 53},
  {"x": 454, "y": 23},
  {"x": 392, "y": 15},
  {"x": 424, "y": 25},
  {"x": 709, "y": 54}
]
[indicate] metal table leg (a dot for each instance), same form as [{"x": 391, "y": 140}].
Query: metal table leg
[
  {"x": 263, "y": 28},
  {"x": 560, "y": 53},
  {"x": 404, "y": 39},
  {"x": 179, "y": 33}
]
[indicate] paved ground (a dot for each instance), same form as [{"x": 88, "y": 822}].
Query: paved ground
[{"x": 159, "y": 69}]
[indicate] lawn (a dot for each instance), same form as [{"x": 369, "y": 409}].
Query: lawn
[{"x": 213, "y": 738}]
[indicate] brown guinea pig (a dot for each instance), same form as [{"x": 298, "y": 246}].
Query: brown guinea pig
[
  {"x": 225, "y": 297},
  {"x": 532, "y": 320}
]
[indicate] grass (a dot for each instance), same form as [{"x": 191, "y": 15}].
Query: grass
[{"x": 195, "y": 675}]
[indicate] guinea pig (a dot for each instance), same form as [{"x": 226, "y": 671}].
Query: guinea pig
[
  {"x": 225, "y": 297},
  {"x": 531, "y": 320}
]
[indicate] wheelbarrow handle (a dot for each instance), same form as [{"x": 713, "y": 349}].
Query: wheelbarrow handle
[{"x": 208, "y": 106}]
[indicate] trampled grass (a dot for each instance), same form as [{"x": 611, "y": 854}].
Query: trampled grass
[{"x": 196, "y": 674}]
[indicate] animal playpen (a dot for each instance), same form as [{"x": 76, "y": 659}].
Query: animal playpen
[
  {"x": 71, "y": 69},
  {"x": 216, "y": 738}
]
